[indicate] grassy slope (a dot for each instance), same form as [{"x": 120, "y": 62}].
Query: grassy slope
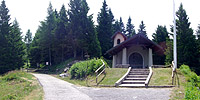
[
  {"x": 19, "y": 85},
  {"x": 178, "y": 91},
  {"x": 56, "y": 69},
  {"x": 112, "y": 75},
  {"x": 161, "y": 77}
]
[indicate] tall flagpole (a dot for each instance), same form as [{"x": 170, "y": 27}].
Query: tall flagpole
[{"x": 175, "y": 49}]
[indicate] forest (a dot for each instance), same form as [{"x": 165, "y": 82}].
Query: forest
[{"x": 71, "y": 33}]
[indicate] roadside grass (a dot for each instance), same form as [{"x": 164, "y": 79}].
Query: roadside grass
[
  {"x": 177, "y": 92},
  {"x": 112, "y": 75},
  {"x": 58, "y": 68},
  {"x": 18, "y": 85},
  {"x": 161, "y": 77}
]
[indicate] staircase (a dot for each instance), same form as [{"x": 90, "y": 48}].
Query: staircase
[{"x": 135, "y": 78}]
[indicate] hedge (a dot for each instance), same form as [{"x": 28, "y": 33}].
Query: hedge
[
  {"x": 192, "y": 89},
  {"x": 81, "y": 69}
]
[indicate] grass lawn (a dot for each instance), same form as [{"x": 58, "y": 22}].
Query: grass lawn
[
  {"x": 161, "y": 77},
  {"x": 112, "y": 75},
  {"x": 178, "y": 91},
  {"x": 20, "y": 85}
]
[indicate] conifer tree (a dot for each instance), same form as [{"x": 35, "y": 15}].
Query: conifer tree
[
  {"x": 16, "y": 47},
  {"x": 160, "y": 37},
  {"x": 186, "y": 45},
  {"x": 161, "y": 34},
  {"x": 198, "y": 45},
  {"x": 142, "y": 29},
  {"x": 82, "y": 29},
  {"x": 122, "y": 28},
  {"x": 61, "y": 33},
  {"x": 5, "y": 27},
  {"x": 105, "y": 28},
  {"x": 116, "y": 26},
  {"x": 130, "y": 31},
  {"x": 28, "y": 39}
]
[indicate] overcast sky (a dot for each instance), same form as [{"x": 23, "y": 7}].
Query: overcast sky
[{"x": 29, "y": 13}]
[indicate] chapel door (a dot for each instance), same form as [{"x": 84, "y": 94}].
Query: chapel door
[{"x": 136, "y": 60}]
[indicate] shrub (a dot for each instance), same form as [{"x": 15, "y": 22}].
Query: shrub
[
  {"x": 81, "y": 69},
  {"x": 192, "y": 91},
  {"x": 185, "y": 69},
  {"x": 11, "y": 76}
]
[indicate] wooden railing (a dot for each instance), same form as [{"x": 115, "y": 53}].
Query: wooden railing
[
  {"x": 149, "y": 76},
  {"x": 99, "y": 73}
]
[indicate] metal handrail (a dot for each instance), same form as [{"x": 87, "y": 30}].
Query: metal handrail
[
  {"x": 97, "y": 75},
  {"x": 149, "y": 76}
]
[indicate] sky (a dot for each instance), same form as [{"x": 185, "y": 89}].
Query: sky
[{"x": 29, "y": 13}]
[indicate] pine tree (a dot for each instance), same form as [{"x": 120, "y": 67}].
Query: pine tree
[
  {"x": 116, "y": 26},
  {"x": 130, "y": 31},
  {"x": 36, "y": 47},
  {"x": 122, "y": 28},
  {"x": 82, "y": 29},
  {"x": 161, "y": 34},
  {"x": 61, "y": 33},
  {"x": 186, "y": 45},
  {"x": 160, "y": 37},
  {"x": 105, "y": 28},
  {"x": 198, "y": 45},
  {"x": 142, "y": 29},
  {"x": 5, "y": 27},
  {"x": 28, "y": 39},
  {"x": 16, "y": 47}
]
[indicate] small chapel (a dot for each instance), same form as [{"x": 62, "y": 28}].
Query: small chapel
[{"x": 135, "y": 52}]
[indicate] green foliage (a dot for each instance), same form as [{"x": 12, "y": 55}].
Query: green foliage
[
  {"x": 193, "y": 83},
  {"x": 105, "y": 27},
  {"x": 16, "y": 85},
  {"x": 186, "y": 43},
  {"x": 185, "y": 69},
  {"x": 11, "y": 45},
  {"x": 122, "y": 27},
  {"x": 142, "y": 29},
  {"x": 169, "y": 52},
  {"x": 28, "y": 39},
  {"x": 81, "y": 69},
  {"x": 69, "y": 33},
  {"x": 11, "y": 76},
  {"x": 130, "y": 31}
]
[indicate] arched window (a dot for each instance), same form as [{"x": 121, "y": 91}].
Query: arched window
[{"x": 118, "y": 41}]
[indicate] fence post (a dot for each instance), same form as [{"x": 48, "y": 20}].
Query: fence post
[{"x": 96, "y": 76}]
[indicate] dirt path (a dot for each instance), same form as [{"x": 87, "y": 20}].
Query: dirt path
[{"x": 56, "y": 89}]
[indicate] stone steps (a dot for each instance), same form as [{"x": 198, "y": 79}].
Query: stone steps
[
  {"x": 133, "y": 82},
  {"x": 132, "y": 85},
  {"x": 135, "y": 78}
]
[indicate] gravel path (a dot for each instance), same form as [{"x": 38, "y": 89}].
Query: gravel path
[
  {"x": 126, "y": 93},
  {"x": 56, "y": 89}
]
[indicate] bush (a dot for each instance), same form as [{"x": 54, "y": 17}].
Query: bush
[
  {"x": 11, "y": 76},
  {"x": 84, "y": 68},
  {"x": 185, "y": 69},
  {"x": 192, "y": 90}
]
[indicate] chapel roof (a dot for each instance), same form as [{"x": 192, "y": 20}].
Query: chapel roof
[
  {"x": 118, "y": 32},
  {"x": 137, "y": 39}
]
